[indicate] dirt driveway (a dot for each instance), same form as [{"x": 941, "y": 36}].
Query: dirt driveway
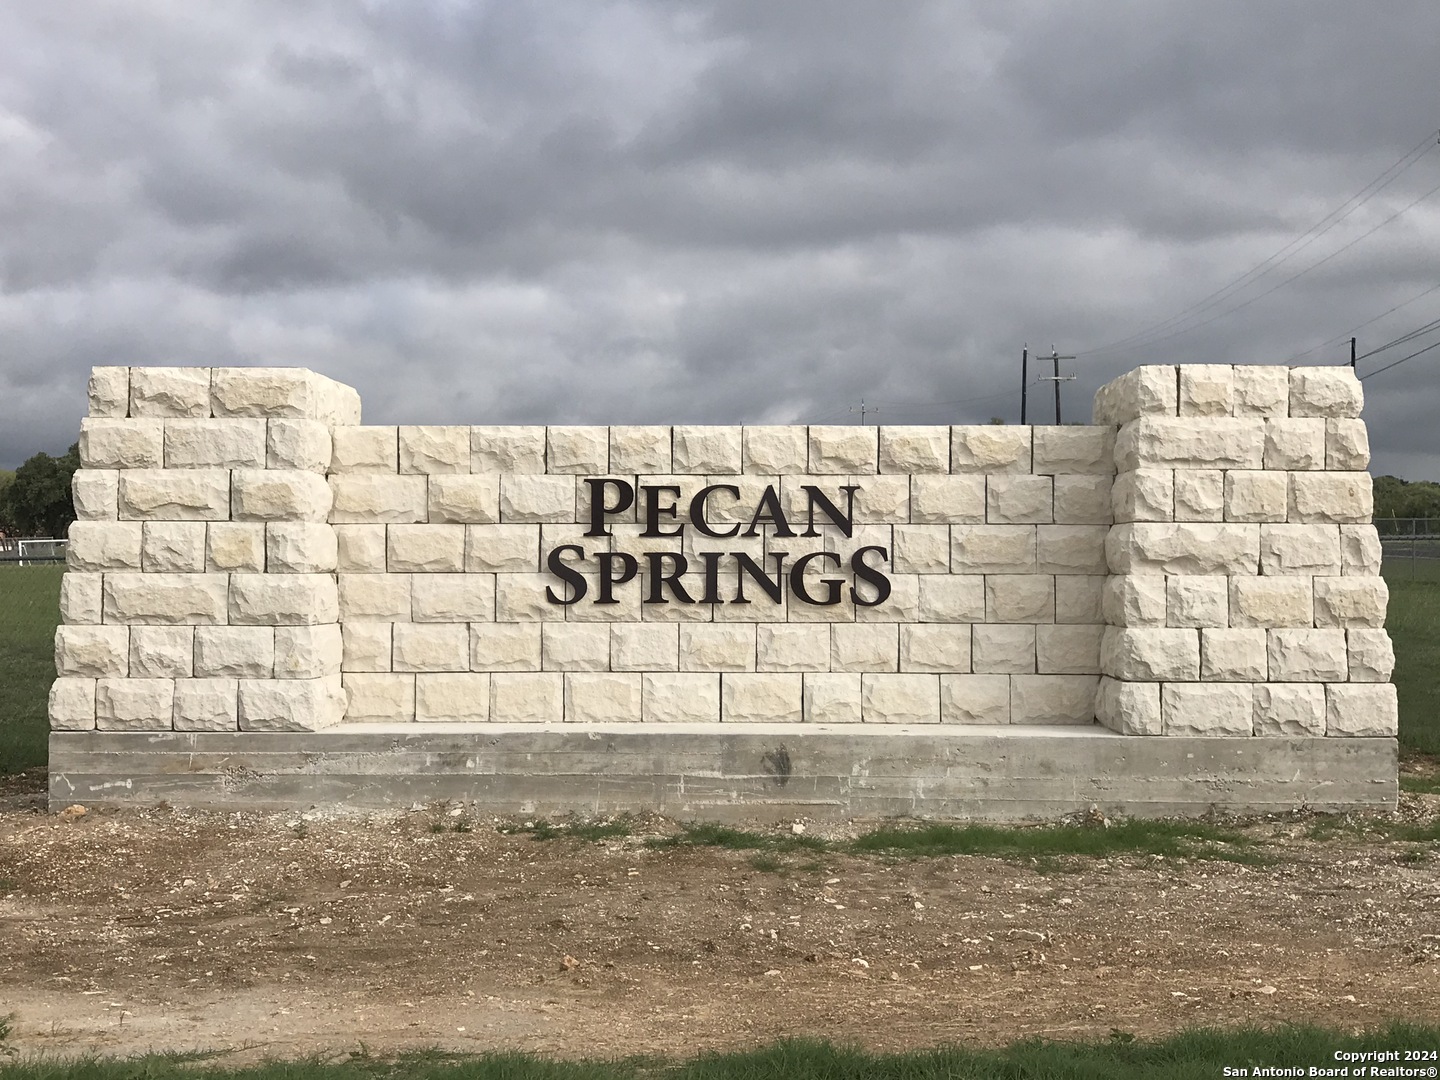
[{"x": 130, "y": 931}]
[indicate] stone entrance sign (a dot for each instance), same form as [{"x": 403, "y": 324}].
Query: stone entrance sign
[{"x": 1178, "y": 606}]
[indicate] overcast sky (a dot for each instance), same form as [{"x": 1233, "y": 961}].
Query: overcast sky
[{"x": 591, "y": 212}]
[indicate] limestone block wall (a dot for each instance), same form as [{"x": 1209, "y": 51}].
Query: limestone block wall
[{"x": 1245, "y": 596}]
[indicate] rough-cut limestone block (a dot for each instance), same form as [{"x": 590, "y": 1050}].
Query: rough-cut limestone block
[
  {"x": 1183, "y": 548},
  {"x": 921, "y": 549},
  {"x": 379, "y": 697},
  {"x": 425, "y": 549},
  {"x": 935, "y": 647},
  {"x": 1233, "y": 655},
  {"x": 840, "y": 449},
  {"x": 644, "y": 647},
  {"x": 575, "y": 646},
  {"x": 903, "y": 604},
  {"x": 951, "y": 598},
  {"x": 772, "y": 450},
  {"x": 365, "y": 449},
  {"x": 366, "y": 645},
  {"x": 505, "y": 647},
  {"x": 1262, "y": 391},
  {"x": 282, "y": 392},
  {"x": 832, "y": 698},
  {"x": 234, "y": 547},
  {"x": 865, "y": 647},
  {"x": 1083, "y": 500},
  {"x": 900, "y": 699},
  {"x": 1372, "y": 657},
  {"x": 504, "y": 549},
  {"x": 582, "y": 450},
  {"x": 975, "y": 699},
  {"x": 1207, "y": 390},
  {"x": 522, "y": 598},
  {"x": 701, "y": 449},
  {"x": 1255, "y": 495},
  {"x": 96, "y": 494},
  {"x": 792, "y": 646},
  {"x": 453, "y": 597},
  {"x": 374, "y": 596},
  {"x": 1325, "y": 391},
  {"x": 993, "y": 549},
  {"x": 1150, "y": 654},
  {"x": 1365, "y": 710},
  {"x": 109, "y": 392},
  {"x": 528, "y": 498},
  {"x": 1359, "y": 550},
  {"x": 1071, "y": 549},
  {"x": 278, "y": 495},
  {"x": 214, "y": 444},
  {"x": 1078, "y": 598},
  {"x": 945, "y": 499},
  {"x": 371, "y": 497},
  {"x": 1199, "y": 495},
  {"x": 1053, "y": 699},
  {"x": 431, "y": 647},
  {"x": 507, "y": 449},
  {"x": 134, "y": 704},
  {"x": 1074, "y": 449},
  {"x": 1019, "y": 598},
  {"x": 1347, "y": 446},
  {"x": 292, "y": 704},
  {"x": 1149, "y": 390},
  {"x": 763, "y": 698},
  {"x": 206, "y": 705},
  {"x": 1068, "y": 650},
  {"x": 603, "y": 697},
  {"x": 1196, "y": 601},
  {"x": 1296, "y": 445},
  {"x": 165, "y": 598},
  {"x": 72, "y": 705},
  {"x": 360, "y": 549},
  {"x": 176, "y": 391},
  {"x": 1299, "y": 549},
  {"x": 308, "y": 652},
  {"x": 297, "y": 444},
  {"x": 1198, "y": 442},
  {"x": 300, "y": 547},
  {"x": 915, "y": 449},
  {"x": 1207, "y": 709},
  {"x": 80, "y": 598},
  {"x": 1130, "y": 708},
  {"x": 990, "y": 448},
  {"x": 717, "y": 647},
  {"x": 104, "y": 545},
  {"x": 1134, "y": 600},
  {"x": 174, "y": 494},
  {"x": 635, "y": 450},
  {"x": 997, "y": 649},
  {"x": 1351, "y": 602},
  {"x": 92, "y": 652},
  {"x": 1307, "y": 655},
  {"x": 1019, "y": 500},
  {"x": 1289, "y": 709},
  {"x": 1271, "y": 602},
  {"x": 241, "y": 652},
  {"x": 114, "y": 443},
  {"x": 283, "y": 599},
  {"x": 1143, "y": 495},
  {"x": 173, "y": 547},
  {"x": 161, "y": 652},
  {"x": 668, "y": 697},
  {"x": 881, "y": 500},
  {"x": 1323, "y": 497},
  {"x": 452, "y": 696}
]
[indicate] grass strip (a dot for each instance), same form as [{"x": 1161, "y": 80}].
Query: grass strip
[{"x": 29, "y": 612}]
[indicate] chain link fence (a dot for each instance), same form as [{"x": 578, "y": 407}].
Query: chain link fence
[{"x": 1410, "y": 548}]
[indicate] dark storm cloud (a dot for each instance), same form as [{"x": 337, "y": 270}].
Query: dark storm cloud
[{"x": 655, "y": 212}]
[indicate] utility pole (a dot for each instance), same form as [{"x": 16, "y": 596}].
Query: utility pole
[
  {"x": 862, "y": 410},
  {"x": 1352, "y": 353},
  {"x": 1024, "y": 379},
  {"x": 1057, "y": 378}
]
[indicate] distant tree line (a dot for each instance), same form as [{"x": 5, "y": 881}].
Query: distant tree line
[
  {"x": 1396, "y": 498},
  {"x": 35, "y": 499}
]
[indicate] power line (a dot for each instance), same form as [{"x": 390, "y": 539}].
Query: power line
[
  {"x": 1419, "y": 331},
  {"x": 1347, "y": 333},
  {"x": 1402, "y": 360}
]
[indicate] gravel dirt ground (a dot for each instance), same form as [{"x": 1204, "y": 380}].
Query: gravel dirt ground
[{"x": 286, "y": 934}]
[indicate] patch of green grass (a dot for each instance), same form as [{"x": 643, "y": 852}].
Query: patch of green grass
[
  {"x": 572, "y": 830},
  {"x": 706, "y": 834},
  {"x": 29, "y": 613},
  {"x": 768, "y": 864},
  {"x": 1327, "y": 828},
  {"x": 1413, "y": 620},
  {"x": 1420, "y": 785}
]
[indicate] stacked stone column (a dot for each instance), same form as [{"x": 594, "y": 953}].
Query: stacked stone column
[
  {"x": 200, "y": 593},
  {"x": 1244, "y": 596}
]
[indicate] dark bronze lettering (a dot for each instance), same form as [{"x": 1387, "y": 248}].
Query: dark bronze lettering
[
  {"x": 769, "y": 511},
  {"x": 599, "y": 509},
  {"x": 653, "y": 510},
  {"x": 870, "y": 575},
  {"x": 832, "y": 585},
  {"x": 568, "y": 574},
  {"x": 697, "y": 510},
  {"x": 660, "y": 577},
  {"x": 712, "y": 576},
  {"x": 774, "y": 589},
  {"x": 844, "y": 522},
  {"x": 608, "y": 579}
]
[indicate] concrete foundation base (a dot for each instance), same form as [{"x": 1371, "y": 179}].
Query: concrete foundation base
[{"x": 755, "y": 772}]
